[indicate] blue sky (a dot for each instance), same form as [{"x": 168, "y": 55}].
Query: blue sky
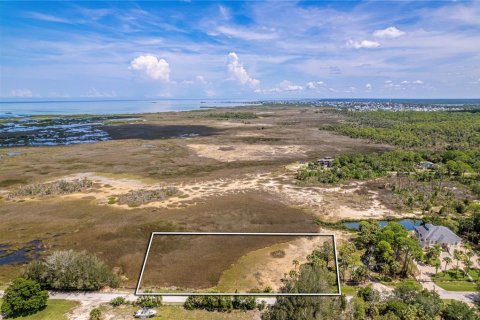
[{"x": 240, "y": 50}]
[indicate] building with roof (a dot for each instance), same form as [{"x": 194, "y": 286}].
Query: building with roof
[
  {"x": 326, "y": 162},
  {"x": 429, "y": 235}
]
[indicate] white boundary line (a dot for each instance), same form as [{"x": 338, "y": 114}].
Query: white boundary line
[{"x": 137, "y": 288}]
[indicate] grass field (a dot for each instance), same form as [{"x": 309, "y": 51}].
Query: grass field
[
  {"x": 455, "y": 280},
  {"x": 178, "y": 312},
  {"x": 457, "y": 285},
  {"x": 55, "y": 310},
  {"x": 349, "y": 290}
]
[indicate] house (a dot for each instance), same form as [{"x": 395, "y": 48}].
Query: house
[
  {"x": 427, "y": 165},
  {"x": 326, "y": 162},
  {"x": 429, "y": 235}
]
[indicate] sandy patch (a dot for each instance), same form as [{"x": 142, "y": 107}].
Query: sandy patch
[
  {"x": 328, "y": 203},
  {"x": 259, "y": 269},
  {"x": 82, "y": 312},
  {"x": 246, "y": 152}
]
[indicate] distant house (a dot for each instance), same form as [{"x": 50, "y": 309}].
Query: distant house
[
  {"x": 429, "y": 235},
  {"x": 326, "y": 162},
  {"x": 427, "y": 165}
]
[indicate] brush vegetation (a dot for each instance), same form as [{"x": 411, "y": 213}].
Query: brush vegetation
[
  {"x": 59, "y": 187},
  {"x": 135, "y": 198},
  {"x": 70, "y": 270}
]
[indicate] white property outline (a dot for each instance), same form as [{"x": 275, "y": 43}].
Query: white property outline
[{"x": 268, "y": 294}]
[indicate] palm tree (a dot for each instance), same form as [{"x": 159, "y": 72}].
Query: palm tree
[
  {"x": 457, "y": 255},
  {"x": 447, "y": 261},
  {"x": 437, "y": 265},
  {"x": 467, "y": 265}
]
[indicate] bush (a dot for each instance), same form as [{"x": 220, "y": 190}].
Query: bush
[
  {"x": 52, "y": 188},
  {"x": 70, "y": 270},
  {"x": 149, "y": 301},
  {"x": 222, "y": 303},
  {"x": 233, "y": 115},
  {"x": 135, "y": 198},
  {"x": 95, "y": 314},
  {"x": 457, "y": 310},
  {"x": 118, "y": 301},
  {"x": 23, "y": 297}
]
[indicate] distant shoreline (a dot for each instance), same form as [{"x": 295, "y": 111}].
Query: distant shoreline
[{"x": 31, "y": 108}]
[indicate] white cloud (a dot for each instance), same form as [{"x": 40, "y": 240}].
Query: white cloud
[
  {"x": 368, "y": 87},
  {"x": 21, "y": 93},
  {"x": 238, "y": 72},
  {"x": 314, "y": 84},
  {"x": 46, "y": 17},
  {"x": 224, "y": 12},
  {"x": 286, "y": 85},
  {"x": 418, "y": 82},
  {"x": 94, "y": 93},
  {"x": 367, "y": 44},
  {"x": 390, "y": 32},
  {"x": 154, "y": 68},
  {"x": 351, "y": 90},
  {"x": 246, "y": 34}
]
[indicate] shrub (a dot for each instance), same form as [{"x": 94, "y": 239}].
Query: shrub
[
  {"x": 95, "y": 314},
  {"x": 23, "y": 297},
  {"x": 149, "y": 301},
  {"x": 457, "y": 310},
  {"x": 222, "y": 303},
  {"x": 233, "y": 115},
  {"x": 135, "y": 198},
  {"x": 70, "y": 270},
  {"x": 118, "y": 301},
  {"x": 52, "y": 188}
]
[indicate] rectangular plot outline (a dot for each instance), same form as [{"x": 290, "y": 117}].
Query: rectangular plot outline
[{"x": 279, "y": 294}]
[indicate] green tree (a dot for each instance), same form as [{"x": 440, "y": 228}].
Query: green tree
[
  {"x": 322, "y": 254},
  {"x": 437, "y": 264},
  {"x": 447, "y": 261},
  {"x": 70, "y": 270},
  {"x": 23, "y": 297},
  {"x": 311, "y": 278},
  {"x": 95, "y": 314},
  {"x": 410, "y": 249},
  {"x": 457, "y": 255},
  {"x": 457, "y": 310}
]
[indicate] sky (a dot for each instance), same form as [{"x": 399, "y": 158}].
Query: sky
[{"x": 239, "y": 49}]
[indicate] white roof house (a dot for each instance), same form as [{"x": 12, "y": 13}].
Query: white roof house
[{"x": 429, "y": 235}]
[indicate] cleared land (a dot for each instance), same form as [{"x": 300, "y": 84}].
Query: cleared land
[
  {"x": 232, "y": 175},
  {"x": 178, "y": 312},
  {"x": 224, "y": 263}
]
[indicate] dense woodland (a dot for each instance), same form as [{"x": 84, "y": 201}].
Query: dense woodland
[
  {"x": 434, "y": 169},
  {"x": 388, "y": 249},
  {"x": 415, "y": 129}
]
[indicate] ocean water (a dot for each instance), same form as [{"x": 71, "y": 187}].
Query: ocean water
[{"x": 28, "y": 107}]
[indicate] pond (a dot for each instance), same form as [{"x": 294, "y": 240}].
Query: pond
[
  {"x": 409, "y": 224},
  {"x": 22, "y": 255}
]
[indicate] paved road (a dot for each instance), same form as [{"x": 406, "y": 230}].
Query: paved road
[{"x": 99, "y": 297}]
